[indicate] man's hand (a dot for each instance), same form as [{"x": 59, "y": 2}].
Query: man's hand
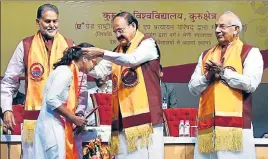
[
  {"x": 216, "y": 69},
  {"x": 9, "y": 120},
  {"x": 210, "y": 75},
  {"x": 93, "y": 52}
]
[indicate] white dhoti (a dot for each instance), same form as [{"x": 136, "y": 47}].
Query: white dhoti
[
  {"x": 27, "y": 136},
  {"x": 153, "y": 151},
  {"x": 248, "y": 151}
]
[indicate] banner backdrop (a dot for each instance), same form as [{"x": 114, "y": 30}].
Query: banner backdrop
[{"x": 182, "y": 29}]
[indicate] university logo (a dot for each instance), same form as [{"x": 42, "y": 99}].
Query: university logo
[
  {"x": 129, "y": 77},
  {"x": 36, "y": 71}
]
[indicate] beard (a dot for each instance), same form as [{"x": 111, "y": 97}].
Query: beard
[{"x": 49, "y": 32}]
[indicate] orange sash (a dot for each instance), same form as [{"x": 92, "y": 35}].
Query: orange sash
[
  {"x": 220, "y": 107},
  {"x": 71, "y": 151}
]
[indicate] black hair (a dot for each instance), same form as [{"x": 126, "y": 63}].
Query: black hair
[
  {"x": 46, "y": 7},
  {"x": 72, "y": 53},
  {"x": 84, "y": 44},
  {"x": 99, "y": 81},
  {"x": 129, "y": 18},
  {"x": 161, "y": 67}
]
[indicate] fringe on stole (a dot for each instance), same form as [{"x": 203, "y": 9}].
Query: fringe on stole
[
  {"x": 132, "y": 134},
  {"x": 221, "y": 140}
]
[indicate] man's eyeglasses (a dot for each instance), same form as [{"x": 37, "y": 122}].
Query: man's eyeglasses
[
  {"x": 223, "y": 26},
  {"x": 119, "y": 31}
]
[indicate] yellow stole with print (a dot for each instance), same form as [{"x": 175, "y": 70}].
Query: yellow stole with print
[
  {"x": 40, "y": 64},
  {"x": 130, "y": 97}
]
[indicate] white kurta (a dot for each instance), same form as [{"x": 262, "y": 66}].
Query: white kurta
[
  {"x": 248, "y": 82},
  {"x": 49, "y": 136}
]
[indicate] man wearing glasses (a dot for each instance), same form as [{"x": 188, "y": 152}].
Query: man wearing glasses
[
  {"x": 225, "y": 77},
  {"x": 137, "y": 117}
]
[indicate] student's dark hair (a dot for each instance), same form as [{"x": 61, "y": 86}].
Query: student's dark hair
[
  {"x": 72, "y": 53},
  {"x": 46, "y": 7},
  {"x": 129, "y": 18}
]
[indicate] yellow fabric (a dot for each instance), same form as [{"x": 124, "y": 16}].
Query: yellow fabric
[
  {"x": 71, "y": 151},
  {"x": 221, "y": 98},
  {"x": 114, "y": 143},
  {"x": 38, "y": 55},
  {"x": 28, "y": 131},
  {"x": 132, "y": 101}
]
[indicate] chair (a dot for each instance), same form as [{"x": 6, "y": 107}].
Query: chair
[
  {"x": 173, "y": 116},
  {"x": 104, "y": 112},
  {"x": 18, "y": 111}
]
